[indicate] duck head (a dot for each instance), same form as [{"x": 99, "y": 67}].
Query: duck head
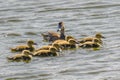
[
  {"x": 68, "y": 38},
  {"x": 60, "y": 25},
  {"x": 26, "y": 52},
  {"x": 31, "y": 42},
  {"x": 72, "y": 41},
  {"x": 99, "y": 35},
  {"x": 53, "y": 49}
]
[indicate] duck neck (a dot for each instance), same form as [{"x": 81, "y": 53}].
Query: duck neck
[
  {"x": 62, "y": 36},
  {"x": 62, "y": 33}
]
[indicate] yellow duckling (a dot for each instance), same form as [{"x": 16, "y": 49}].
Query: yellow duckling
[
  {"x": 66, "y": 39},
  {"x": 44, "y": 53},
  {"x": 90, "y": 44},
  {"x": 56, "y": 46},
  {"x": 29, "y": 47},
  {"x": 70, "y": 44},
  {"x": 97, "y": 38},
  {"x": 26, "y": 55},
  {"x": 52, "y": 36}
]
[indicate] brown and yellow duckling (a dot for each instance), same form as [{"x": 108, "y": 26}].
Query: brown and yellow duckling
[
  {"x": 97, "y": 38},
  {"x": 67, "y": 38},
  {"x": 52, "y": 36},
  {"x": 29, "y": 47},
  {"x": 26, "y": 55},
  {"x": 47, "y": 47},
  {"x": 70, "y": 44},
  {"x": 44, "y": 53}
]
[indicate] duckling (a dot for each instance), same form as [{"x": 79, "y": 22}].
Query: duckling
[
  {"x": 52, "y": 36},
  {"x": 70, "y": 44},
  {"x": 97, "y": 38},
  {"x": 26, "y": 55},
  {"x": 44, "y": 53},
  {"x": 56, "y": 46},
  {"x": 90, "y": 45},
  {"x": 29, "y": 47},
  {"x": 66, "y": 39}
]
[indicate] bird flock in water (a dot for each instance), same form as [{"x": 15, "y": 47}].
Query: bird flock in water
[{"x": 59, "y": 42}]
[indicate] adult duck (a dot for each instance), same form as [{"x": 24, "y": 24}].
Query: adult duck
[
  {"x": 26, "y": 55},
  {"x": 52, "y": 36},
  {"x": 29, "y": 46},
  {"x": 44, "y": 53}
]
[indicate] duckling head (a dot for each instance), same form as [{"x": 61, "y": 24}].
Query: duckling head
[
  {"x": 99, "y": 35},
  {"x": 60, "y": 25},
  {"x": 72, "y": 41},
  {"x": 52, "y": 49},
  {"x": 31, "y": 42},
  {"x": 69, "y": 37},
  {"x": 26, "y": 52},
  {"x": 56, "y": 45}
]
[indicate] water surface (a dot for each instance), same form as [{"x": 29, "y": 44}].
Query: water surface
[{"x": 21, "y": 20}]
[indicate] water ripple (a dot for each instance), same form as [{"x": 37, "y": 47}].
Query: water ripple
[{"x": 23, "y": 20}]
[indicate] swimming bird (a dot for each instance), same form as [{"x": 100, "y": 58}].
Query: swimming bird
[
  {"x": 52, "y": 36},
  {"x": 44, "y": 53},
  {"x": 90, "y": 44},
  {"x": 29, "y": 47},
  {"x": 67, "y": 38},
  {"x": 70, "y": 44},
  {"x": 97, "y": 38},
  {"x": 47, "y": 47},
  {"x": 26, "y": 55}
]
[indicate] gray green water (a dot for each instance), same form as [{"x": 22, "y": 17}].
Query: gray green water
[{"x": 21, "y": 20}]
